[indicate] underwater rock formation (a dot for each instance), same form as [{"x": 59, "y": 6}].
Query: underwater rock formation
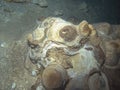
[
  {"x": 54, "y": 76},
  {"x": 72, "y": 56}
]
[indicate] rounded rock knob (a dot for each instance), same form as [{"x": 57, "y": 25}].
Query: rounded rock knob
[
  {"x": 54, "y": 76},
  {"x": 68, "y": 33}
]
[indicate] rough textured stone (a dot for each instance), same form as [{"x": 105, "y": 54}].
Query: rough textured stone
[
  {"x": 103, "y": 28},
  {"x": 67, "y": 49},
  {"x": 59, "y": 58}
]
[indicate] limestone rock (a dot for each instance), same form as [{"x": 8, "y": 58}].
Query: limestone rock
[
  {"x": 65, "y": 51},
  {"x": 112, "y": 52}
]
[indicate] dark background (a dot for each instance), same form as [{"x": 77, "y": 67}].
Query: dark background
[{"x": 98, "y": 10}]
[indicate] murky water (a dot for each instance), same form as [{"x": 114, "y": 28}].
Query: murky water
[{"x": 18, "y": 19}]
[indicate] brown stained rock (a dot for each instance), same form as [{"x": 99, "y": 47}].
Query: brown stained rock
[
  {"x": 66, "y": 46},
  {"x": 84, "y": 28},
  {"x": 77, "y": 83},
  {"x": 54, "y": 76},
  {"x": 36, "y": 37},
  {"x": 56, "y": 54},
  {"x": 112, "y": 52},
  {"x": 93, "y": 30},
  {"x": 103, "y": 28},
  {"x": 92, "y": 81},
  {"x": 68, "y": 33},
  {"x": 52, "y": 79},
  {"x": 98, "y": 82},
  {"x": 99, "y": 55},
  {"x": 113, "y": 76},
  {"x": 116, "y": 31},
  {"x": 95, "y": 40}
]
